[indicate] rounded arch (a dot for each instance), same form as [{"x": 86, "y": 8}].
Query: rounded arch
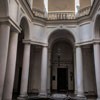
[
  {"x": 97, "y": 27},
  {"x": 61, "y": 45},
  {"x": 20, "y": 49},
  {"x": 4, "y": 8},
  {"x": 61, "y": 34},
  {"x": 24, "y": 24}
]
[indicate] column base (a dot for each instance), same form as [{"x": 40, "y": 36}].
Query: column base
[
  {"x": 75, "y": 92},
  {"x": 43, "y": 95},
  {"x": 98, "y": 98},
  {"x": 81, "y": 96},
  {"x": 23, "y": 97}
]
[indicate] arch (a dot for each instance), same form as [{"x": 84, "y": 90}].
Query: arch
[
  {"x": 24, "y": 24},
  {"x": 97, "y": 27},
  {"x": 61, "y": 34},
  {"x": 4, "y": 8},
  {"x": 61, "y": 46}
]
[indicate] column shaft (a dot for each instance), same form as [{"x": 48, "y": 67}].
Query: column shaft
[
  {"x": 75, "y": 77},
  {"x": 25, "y": 71},
  {"x": 43, "y": 90},
  {"x": 79, "y": 72},
  {"x": 97, "y": 67},
  {"x": 11, "y": 63},
  {"x": 4, "y": 42}
]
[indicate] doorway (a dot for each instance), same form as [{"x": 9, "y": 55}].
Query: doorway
[
  {"x": 62, "y": 69},
  {"x": 62, "y": 79}
]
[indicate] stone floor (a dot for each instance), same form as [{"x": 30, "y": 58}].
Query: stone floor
[
  {"x": 60, "y": 97},
  {"x": 57, "y": 96}
]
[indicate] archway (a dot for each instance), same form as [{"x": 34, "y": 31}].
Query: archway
[
  {"x": 19, "y": 61},
  {"x": 61, "y": 59}
]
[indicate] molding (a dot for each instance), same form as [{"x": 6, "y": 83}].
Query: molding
[
  {"x": 38, "y": 24},
  {"x": 39, "y": 20},
  {"x": 94, "y": 8},
  {"x": 93, "y": 41},
  {"x": 85, "y": 23},
  {"x": 25, "y": 5},
  {"x": 34, "y": 42},
  {"x": 14, "y": 25},
  {"x": 65, "y": 22}
]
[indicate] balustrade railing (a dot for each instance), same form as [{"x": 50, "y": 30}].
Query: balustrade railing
[
  {"x": 85, "y": 11},
  {"x": 61, "y": 15},
  {"x": 38, "y": 13}
]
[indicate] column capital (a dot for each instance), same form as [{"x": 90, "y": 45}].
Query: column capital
[
  {"x": 96, "y": 41},
  {"x": 77, "y": 46},
  {"x": 26, "y": 41},
  {"x": 45, "y": 46},
  {"x": 14, "y": 32},
  {"x": 8, "y": 20}
]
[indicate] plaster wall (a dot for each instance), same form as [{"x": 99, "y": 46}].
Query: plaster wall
[
  {"x": 14, "y": 8},
  {"x": 37, "y": 32},
  {"x": 85, "y": 32}
]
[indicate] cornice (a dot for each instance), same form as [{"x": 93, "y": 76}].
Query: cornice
[
  {"x": 69, "y": 22},
  {"x": 27, "y": 8},
  {"x": 93, "y": 41},
  {"x": 28, "y": 41},
  {"x": 15, "y": 26},
  {"x": 39, "y": 20},
  {"x": 94, "y": 8}
]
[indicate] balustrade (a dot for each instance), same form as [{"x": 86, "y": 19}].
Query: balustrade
[
  {"x": 61, "y": 15},
  {"x": 38, "y": 13},
  {"x": 85, "y": 11}
]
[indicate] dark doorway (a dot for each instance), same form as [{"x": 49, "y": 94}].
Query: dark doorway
[
  {"x": 62, "y": 67},
  {"x": 62, "y": 79}
]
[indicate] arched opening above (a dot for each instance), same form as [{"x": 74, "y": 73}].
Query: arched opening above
[
  {"x": 61, "y": 34},
  {"x": 25, "y": 27}
]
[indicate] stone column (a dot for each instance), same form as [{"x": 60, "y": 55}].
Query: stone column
[
  {"x": 43, "y": 90},
  {"x": 4, "y": 42},
  {"x": 25, "y": 71},
  {"x": 75, "y": 77},
  {"x": 97, "y": 67},
  {"x": 79, "y": 72},
  {"x": 10, "y": 70}
]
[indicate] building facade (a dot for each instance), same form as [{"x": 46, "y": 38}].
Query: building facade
[{"x": 42, "y": 53}]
